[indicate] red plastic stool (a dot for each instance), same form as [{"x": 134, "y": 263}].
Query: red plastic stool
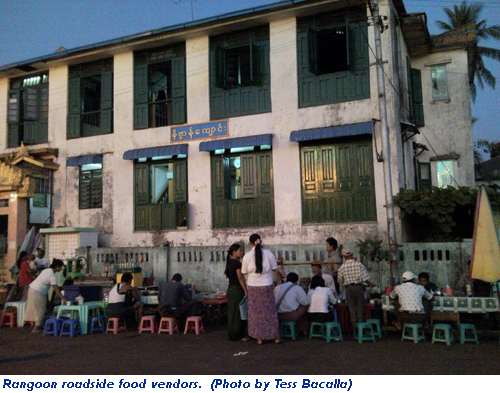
[
  {"x": 194, "y": 323},
  {"x": 9, "y": 319},
  {"x": 148, "y": 324},
  {"x": 168, "y": 324},
  {"x": 114, "y": 325}
]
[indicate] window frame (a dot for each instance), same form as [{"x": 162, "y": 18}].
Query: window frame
[
  {"x": 437, "y": 98},
  {"x": 92, "y": 186}
]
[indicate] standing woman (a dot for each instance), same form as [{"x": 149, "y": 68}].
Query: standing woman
[
  {"x": 236, "y": 327},
  {"x": 26, "y": 275},
  {"x": 259, "y": 264},
  {"x": 37, "y": 294}
]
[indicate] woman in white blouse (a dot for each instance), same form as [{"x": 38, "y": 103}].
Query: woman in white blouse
[{"x": 320, "y": 298}]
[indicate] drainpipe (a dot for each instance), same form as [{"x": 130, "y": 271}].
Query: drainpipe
[{"x": 386, "y": 148}]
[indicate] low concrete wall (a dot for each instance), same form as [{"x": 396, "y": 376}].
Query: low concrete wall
[{"x": 445, "y": 262}]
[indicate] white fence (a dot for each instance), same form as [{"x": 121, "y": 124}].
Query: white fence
[{"x": 445, "y": 262}]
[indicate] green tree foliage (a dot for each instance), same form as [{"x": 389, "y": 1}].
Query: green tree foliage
[
  {"x": 464, "y": 14},
  {"x": 491, "y": 148},
  {"x": 441, "y": 214}
]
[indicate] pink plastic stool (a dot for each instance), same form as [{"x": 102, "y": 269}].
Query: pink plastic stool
[
  {"x": 9, "y": 319},
  {"x": 168, "y": 324},
  {"x": 114, "y": 325},
  {"x": 148, "y": 324},
  {"x": 194, "y": 323}
]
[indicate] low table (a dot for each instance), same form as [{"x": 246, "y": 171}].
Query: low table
[{"x": 83, "y": 312}]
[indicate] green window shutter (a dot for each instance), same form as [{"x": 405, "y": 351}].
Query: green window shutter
[
  {"x": 13, "y": 135},
  {"x": 265, "y": 174},
  {"x": 141, "y": 116},
  {"x": 44, "y": 101},
  {"x": 31, "y": 102},
  {"x": 43, "y": 131},
  {"x": 96, "y": 189},
  {"x": 179, "y": 77},
  {"x": 141, "y": 184},
  {"x": 220, "y": 68},
  {"x": 312, "y": 51},
  {"x": 141, "y": 217},
  {"x": 179, "y": 110},
  {"x": 180, "y": 181},
  {"x": 327, "y": 173},
  {"x": 107, "y": 90},
  {"x": 219, "y": 203},
  {"x": 85, "y": 189},
  {"x": 106, "y": 121},
  {"x": 141, "y": 84},
  {"x": 74, "y": 99},
  {"x": 310, "y": 184},
  {"x": 418, "y": 102},
  {"x": 364, "y": 196},
  {"x": 255, "y": 64},
  {"x": 13, "y": 106},
  {"x": 249, "y": 175},
  {"x": 155, "y": 217},
  {"x": 40, "y": 200},
  {"x": 168, "y": 216},
  {"x": 424, "y": 176},
  {"x": 31, "y": 132},
  {"x": 348, "y": 36},
  {"x": 73, "y": 126}
]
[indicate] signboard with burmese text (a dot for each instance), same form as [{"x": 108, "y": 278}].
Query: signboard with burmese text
[{"x": 190, "y": 132}]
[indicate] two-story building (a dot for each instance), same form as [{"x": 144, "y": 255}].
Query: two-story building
[{"x": 265, "y": 120}]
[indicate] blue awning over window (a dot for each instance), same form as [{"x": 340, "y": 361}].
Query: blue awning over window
[
  {"x": 255, "y": 140},
  {"x": 84, "y": 160},
  {"x": 332, "y": 132},
  {"x": 157, "y": 151}
]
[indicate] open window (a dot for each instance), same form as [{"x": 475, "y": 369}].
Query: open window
[
  {"x": 328, "y": 49},
  {"x": 90, "y": 187},
  {"x": 237, "y": 66},
  {"x": 439, "y": 79}
]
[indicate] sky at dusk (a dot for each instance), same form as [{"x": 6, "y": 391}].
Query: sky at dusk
[{"x": 31, "y": 28}]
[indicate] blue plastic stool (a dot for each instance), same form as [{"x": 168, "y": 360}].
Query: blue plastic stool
[
  {"x": 313, "y": 330},
  {"x": 70, "y": 327},
  {"x": 332, "y": 331},
  {"x": 363, "y": 331},
  {"x": 52, "y": 326},
  {"x": 441, "y": 332},
  {"x": 288, "y": 329},
  {"x": 97, "y": 324},
  {"x": 376, "y": 324},
  {"x": 467, "y": 332},
  {"x": 413, "y": 331}
]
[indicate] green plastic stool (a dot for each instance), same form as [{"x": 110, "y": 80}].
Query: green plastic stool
[
  {"x": 467, "y": 332},
  {"x": 442, "y": 333},
  {"x": 413, "y": 331},
  {"x": 376, "y": 324},
  {"x": 332, "y": 331},
  {"x": 363, "y": 331},
  {"x": 288, "y": 329},
  {"x": 313, "y": 330}
]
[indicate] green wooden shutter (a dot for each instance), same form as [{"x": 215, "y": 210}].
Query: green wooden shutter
[
  {"x": 348, "y": 49},
  {"x": 168, "y": 216},
  {"x": 255, "y": 64},
  {"x": 312, "y": 51},
  {"x": 265, "y": 174},
  {"x": 424, "y": 175},
  {"x": 31, "y": 103},
  {"x": 141, "y": 184},
  {"x": 13, "y": 106},
  {"x": 74, "y": 107},
  {"x": 31, "y": 129},
  {"x": 73, "y": 126},
  {"x": 364, "y": 190},
  {"x": 248, "y": 175},
  {"x": 141, "y": 97},
  {"x": 220, "y": 68},
  {"x": 106, "y": 121},
  {"x": 180, "y": 181},
  {"x": 107, "y": 90},
  {"x": 418, "y": 101},
  {"x": 85, "y": 189},
  {"x": 96, "y": 189},
  {"x": 344, "y": 166},
  {"x": 179, "y": 76},
  {"x": 219, "y": 202},
  {"x": 179, "y": 111},
  {"x": 13, "y": 135}
]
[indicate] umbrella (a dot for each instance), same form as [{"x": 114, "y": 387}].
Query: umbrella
[{"x": 485, "y": 257}]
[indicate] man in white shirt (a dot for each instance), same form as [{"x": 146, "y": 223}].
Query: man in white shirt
[
  {"x": 292, "y": 303},
  {"x": 410, "y": 308},
  {"x": 317, "y": 270},
  {"x": 41, "y": 262}
]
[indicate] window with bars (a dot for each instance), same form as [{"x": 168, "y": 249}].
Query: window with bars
[
  {"x": 28, "y": 110},
  {"x": 242, "y": 187},
  {"x": 338, "y": 181},
  {"x": 90, "y": 187},
  {"x": 160, "y": 87},
  {"x": 90, "y": 99},
  {"x": 160, "y": 194}
]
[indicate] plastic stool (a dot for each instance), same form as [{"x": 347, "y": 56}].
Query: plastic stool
[
  {"x": 97, "y": 324},
  {"x": 194, "y": 324},
  {"x": 148, "y": 324},
  {"x": 288, "y": 329},
  {"x": 413, "y": 331},
  {"x": 53, "y": 326},
  {"x": 467, "y": 333},
  {"x": 70, "y": 327},
  {"x": 114, "y": 325},
  {"x": 441, "y": 332},
  {"x": 332, "y": 330},
  {"x": 169, "y": 325},
  {"x": 363, "y": 331},
  {"x": 313, "y": 331},
  {"x": 9, "y": 319},
  {"x": 376, "y": 324}
]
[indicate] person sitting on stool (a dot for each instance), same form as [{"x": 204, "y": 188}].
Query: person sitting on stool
[{"x": 125, "y": 300}]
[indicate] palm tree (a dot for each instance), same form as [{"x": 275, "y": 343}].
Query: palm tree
[{"x": 464, "y": 14}]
